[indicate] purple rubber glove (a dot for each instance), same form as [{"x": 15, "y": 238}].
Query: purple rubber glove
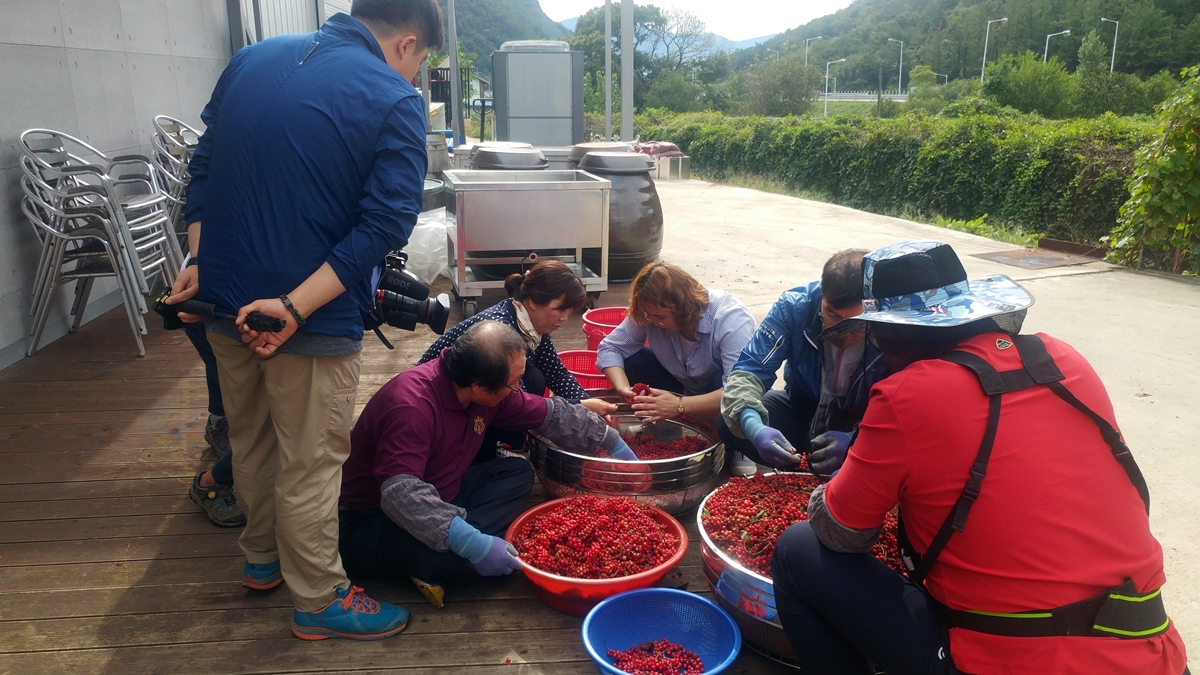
[
  {"x": 501, "y": 558},
  {"x": 772, "y": 446},
  {"x": 829, "y": 452},
  {"x": 774, "y": 449}
]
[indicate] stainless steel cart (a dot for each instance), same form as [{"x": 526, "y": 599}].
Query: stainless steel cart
[{"x": 508, "y": 215}]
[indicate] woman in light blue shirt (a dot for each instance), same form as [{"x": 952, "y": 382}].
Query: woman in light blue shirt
[{"x": 679, "y": 338}]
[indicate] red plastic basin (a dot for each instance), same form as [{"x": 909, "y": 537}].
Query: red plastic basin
[{"x": 577, "y": 596}]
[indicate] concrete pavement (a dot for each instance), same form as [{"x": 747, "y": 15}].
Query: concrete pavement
[{"x": 1138, "y": 331}]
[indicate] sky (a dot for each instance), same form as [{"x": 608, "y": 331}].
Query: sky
[{"x": 750, "y": 19}]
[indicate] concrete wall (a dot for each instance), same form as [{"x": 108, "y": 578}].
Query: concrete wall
[
  {"x": 281, "y": 17},
  {"x": 99, "y": 70}
]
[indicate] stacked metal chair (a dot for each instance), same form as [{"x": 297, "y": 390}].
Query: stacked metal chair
[
  {"x": 95, "y": 220},
  {"x": 174, "y": 141}
]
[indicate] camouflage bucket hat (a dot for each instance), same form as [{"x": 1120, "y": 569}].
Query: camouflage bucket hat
[{"x": 923, "y": 283}]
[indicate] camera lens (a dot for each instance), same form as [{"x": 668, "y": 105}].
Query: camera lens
[{"x": 405, "y": 313}]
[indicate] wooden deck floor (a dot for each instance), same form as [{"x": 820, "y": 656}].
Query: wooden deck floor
[{"x": 107, "y": 567}]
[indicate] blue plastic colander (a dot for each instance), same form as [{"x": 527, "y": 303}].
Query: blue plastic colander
[{"x": 687, "y": 619}]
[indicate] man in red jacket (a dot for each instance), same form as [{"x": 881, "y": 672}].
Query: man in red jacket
[{"x": 1014, "y": 484}]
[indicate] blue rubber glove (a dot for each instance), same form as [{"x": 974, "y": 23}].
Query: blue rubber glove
[
  {"x": 829, "y": 452},
  {"x": 490, "y": 556},
  {"x": 501, "y": 558},
  {"x": 622, "y": 451},
  {"x": 773, "y": 448}
]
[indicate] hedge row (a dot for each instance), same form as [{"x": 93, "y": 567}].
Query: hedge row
[{"x": 1065, "y": 179}]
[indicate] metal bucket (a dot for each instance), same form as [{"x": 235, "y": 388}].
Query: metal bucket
[
  {"x": 434, "y": 195},
  {"x": 748, "y": 596},
  {"x": 439, "y": 156},
  {"x": 673, "y": 485}
]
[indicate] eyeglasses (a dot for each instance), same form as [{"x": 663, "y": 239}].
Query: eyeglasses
[
  {"x": 657, "y": 320},
  {"x": 510, "y": 387}
]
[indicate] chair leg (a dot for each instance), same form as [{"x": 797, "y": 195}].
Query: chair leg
[
  {"x": 83, "y": 289},
  {"x": 44, "y": 294},
  {"x": 40, "y": 277},
  {"x": 44, "y": 310},
  {"x": 131, "y": 313}
]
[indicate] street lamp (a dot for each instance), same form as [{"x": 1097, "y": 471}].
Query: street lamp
[
  {"x": 1046, "y": 53},
  {"x": 1116, "y": 29},
  {"x": 945, "y": 81},
  {"x": 821, "y": 36},
  {"x": 827, "y": 84},
  {"x": 986, "y": 35},
  {"x": 772, "y": 51},
  {"x": 900, "y": 72}
]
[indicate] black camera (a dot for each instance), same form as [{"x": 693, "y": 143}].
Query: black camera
[{"x": 402, "y": 300}]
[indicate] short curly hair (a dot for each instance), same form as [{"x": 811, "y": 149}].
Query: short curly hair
[{"x": 668, "y": 286}]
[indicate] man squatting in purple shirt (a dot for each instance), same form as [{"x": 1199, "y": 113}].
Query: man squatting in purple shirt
[{"x": 413, "y": 504}]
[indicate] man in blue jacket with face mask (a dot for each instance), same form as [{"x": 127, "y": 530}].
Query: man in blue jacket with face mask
[{"x": 827, "y": 382}]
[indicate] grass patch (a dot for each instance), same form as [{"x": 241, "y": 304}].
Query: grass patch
[{"x": 997, "y": 230}]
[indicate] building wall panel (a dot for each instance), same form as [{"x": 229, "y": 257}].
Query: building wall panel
[{"x": 99, "y": 70}]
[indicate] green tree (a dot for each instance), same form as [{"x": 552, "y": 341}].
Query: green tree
[
  {"x": 674, "y": 92},
  {"x": 1030, "y": 85},
  {"x": 1096, "y": 93},
  {"x": 589, "y": 38},
  {"x": 1160, "y": 224},
  {"x": 922, "y": 77},
  {"x": 781, "y": 87}
]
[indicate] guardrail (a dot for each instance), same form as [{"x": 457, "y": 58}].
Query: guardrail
[{"x": 861, "y": 96}]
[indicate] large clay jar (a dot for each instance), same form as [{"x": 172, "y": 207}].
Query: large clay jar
[
  {"x": 579, "y": 150},
  {"x": 635, "y": 218}
]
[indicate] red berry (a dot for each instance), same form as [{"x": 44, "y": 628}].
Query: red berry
[
  {"x": 661, "y": 657},
  {"x": 592, "y": 537},
  {"x": 746, "y": 516}
]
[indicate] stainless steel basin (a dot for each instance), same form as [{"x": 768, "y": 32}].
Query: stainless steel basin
[{"x": 673, "y": 485}]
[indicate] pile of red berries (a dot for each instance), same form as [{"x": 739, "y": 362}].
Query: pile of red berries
[
  {"x": 746, "y": 516},
  {"x": 646, "y": 447},
  {"x": 592, "y": 537},
  {"x": 661, "y": 657},
  {"x": 640, "y": 389}
]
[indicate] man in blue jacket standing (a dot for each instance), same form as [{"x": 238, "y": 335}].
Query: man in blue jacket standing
[
  {"x": 827, "y": 382},
  {"x": 310, "y": 171}
]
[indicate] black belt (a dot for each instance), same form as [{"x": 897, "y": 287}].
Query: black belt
[{"x": 1120, "y": 612}]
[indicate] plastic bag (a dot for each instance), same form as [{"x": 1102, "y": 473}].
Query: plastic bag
[{"x": 426, "y": 247}]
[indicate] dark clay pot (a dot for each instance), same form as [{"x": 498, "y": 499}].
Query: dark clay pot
[{"x": 635, "y": 218}]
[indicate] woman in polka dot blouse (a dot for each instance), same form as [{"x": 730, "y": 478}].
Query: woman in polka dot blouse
[{"x": 540, "y": 302}]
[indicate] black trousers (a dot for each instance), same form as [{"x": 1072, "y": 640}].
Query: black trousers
[
  {"x": 373, "y": 547},
  {"x": 844, "y": 611},
  {"x": 792, "y": 419}
]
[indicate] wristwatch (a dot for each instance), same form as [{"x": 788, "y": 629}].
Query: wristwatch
[{"x": 679, "y": 409}]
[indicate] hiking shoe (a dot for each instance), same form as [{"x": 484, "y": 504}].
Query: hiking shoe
[
  {"x": 262, "y": 577},
  {"x": 351, "y": 616},
  {"x": 742, "y": 465},
  {"x": 216, "y": 434},
  {"x": 219, "y": 502}
]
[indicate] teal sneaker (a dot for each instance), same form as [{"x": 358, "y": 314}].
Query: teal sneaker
[
  {"x": 261, "y": 577},
  {"x": 351, "y": 616}
]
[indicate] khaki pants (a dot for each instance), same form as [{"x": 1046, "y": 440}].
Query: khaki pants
[{"x": 289, "y": 426}]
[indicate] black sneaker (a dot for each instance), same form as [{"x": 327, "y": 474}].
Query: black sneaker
[
  {"x": 218, "y": 502},
  {"x": 216, "y": 433}
]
